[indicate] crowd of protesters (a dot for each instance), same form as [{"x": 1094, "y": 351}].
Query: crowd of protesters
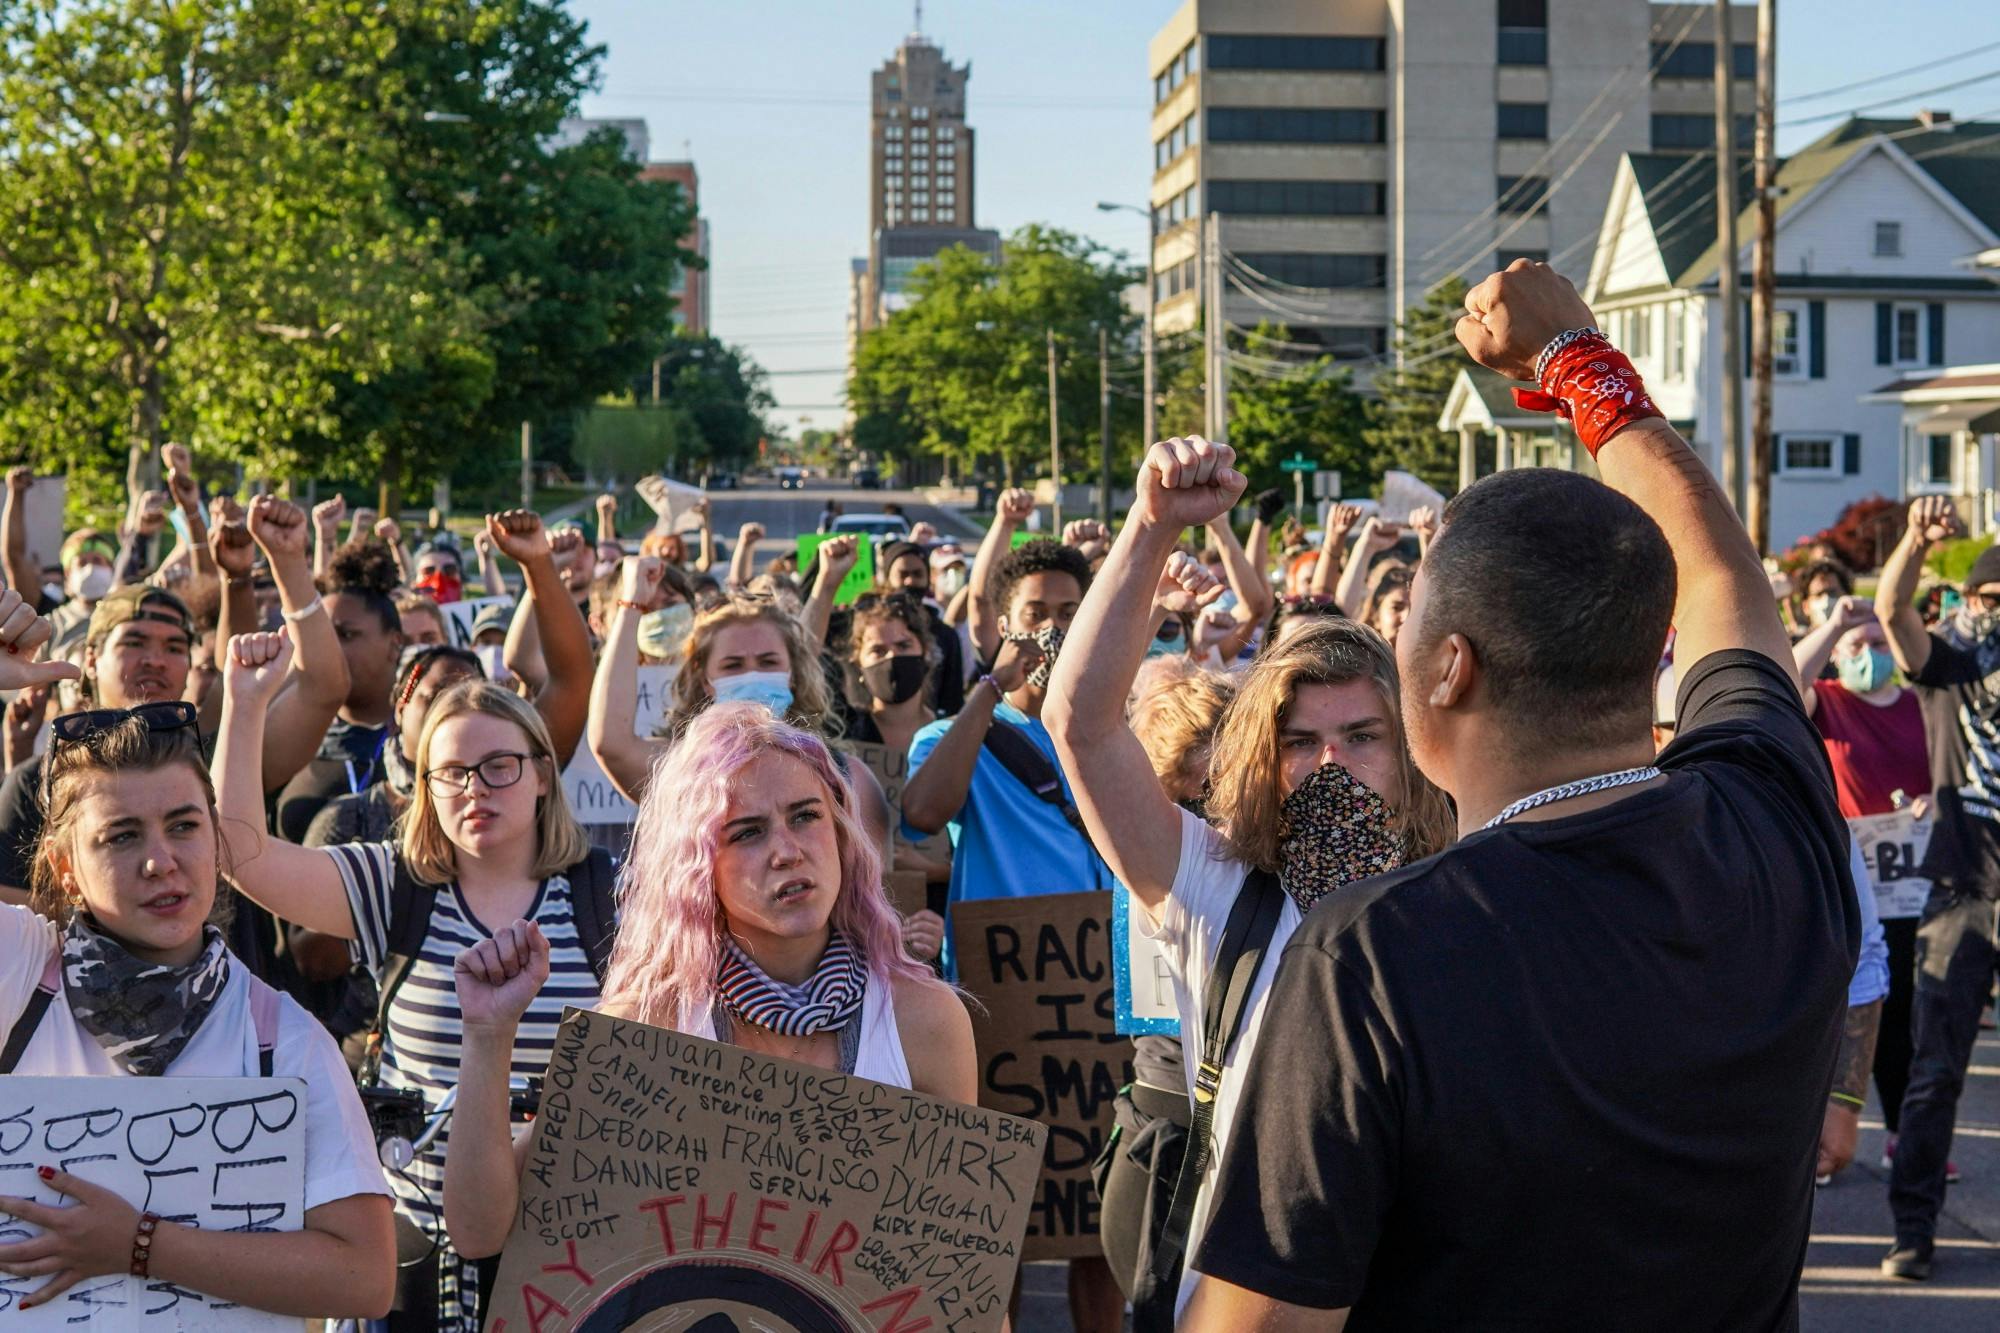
[{"x": 1607, "y": 1003}]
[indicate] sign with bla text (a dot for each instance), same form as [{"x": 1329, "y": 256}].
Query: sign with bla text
[
  {"x": 676, "y": 1183},
  {"x": 1893, "y": 847},
  {"x": 221, "y": 1154},
  {"x": 1049, "y": 1048}
]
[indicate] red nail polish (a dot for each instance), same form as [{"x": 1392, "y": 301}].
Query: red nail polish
[{"x": 46, "y": 1172}]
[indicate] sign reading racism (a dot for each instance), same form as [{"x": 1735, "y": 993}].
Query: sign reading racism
[
  {"x": 1049, "y": 1048},
  {"x": 732, "y": 1191},
  {"x": 1893, "y": 846},
  {"x": 221, "y": 1154}
]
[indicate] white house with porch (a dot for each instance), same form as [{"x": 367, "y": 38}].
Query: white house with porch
[
  {"x": 1877, "y": 226},
  {"x": 1951, "y": 436}
]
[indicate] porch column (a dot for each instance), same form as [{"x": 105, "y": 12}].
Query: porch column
[{"x": 1468, "y": 456}]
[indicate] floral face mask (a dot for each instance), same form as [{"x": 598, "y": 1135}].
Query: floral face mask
[{"x": 1337, "y": 830}]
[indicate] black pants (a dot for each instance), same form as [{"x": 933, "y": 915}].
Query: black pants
[
  {"x": 1956, "y": 942},
  {"x": 1893, "y": 1047}
]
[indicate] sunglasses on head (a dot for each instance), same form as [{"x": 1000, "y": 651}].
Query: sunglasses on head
[{"x": 81, "y": 728}]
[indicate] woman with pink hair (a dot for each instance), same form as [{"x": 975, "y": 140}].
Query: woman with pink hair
[{"x": 751, "y": 912}]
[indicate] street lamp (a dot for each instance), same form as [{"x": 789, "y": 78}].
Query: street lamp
[{"x": 1145, "y": 337}]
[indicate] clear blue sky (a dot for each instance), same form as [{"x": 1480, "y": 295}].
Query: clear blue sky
[{"x": 770, "y": 100}]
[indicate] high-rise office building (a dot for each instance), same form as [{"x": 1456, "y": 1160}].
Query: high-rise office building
[
  {"x": 690, "y": 287},
  {"x": 1357, "y": 152}
]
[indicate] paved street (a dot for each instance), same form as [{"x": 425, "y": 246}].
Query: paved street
[{"x": 786, "y": 514}]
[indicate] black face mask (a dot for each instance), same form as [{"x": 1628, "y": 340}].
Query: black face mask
[{"x": 897, "y": 679}]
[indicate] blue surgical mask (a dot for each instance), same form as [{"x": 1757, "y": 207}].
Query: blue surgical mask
[
  {"x": 773, "y": 689},
  {"x": 1174, "y": 643},
  {"x": 664, "y": 633},
  {"x": 1867, "y": 672}
]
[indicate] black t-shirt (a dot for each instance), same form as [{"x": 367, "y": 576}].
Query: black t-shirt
[
  {"x": 1959, "y": 689},
  {"x": 21, "y": 817},
  {"x": 349, "y": 761},
  {"x": 1578, "y": 1066}
]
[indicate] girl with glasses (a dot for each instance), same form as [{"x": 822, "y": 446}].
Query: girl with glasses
[
  {"x": 121, "y": 970},
  {"x": 488, "y": 839}
]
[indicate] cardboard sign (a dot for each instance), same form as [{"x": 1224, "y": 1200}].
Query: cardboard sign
[
  {"x": 459, "y": 615},
  {"x": 1143, "y": 983},
  {"x": 222, "y": 1154},
  {"x": 1403, "y": 493},
  {"x": 860, "y": 579},
  {"x": 729, "y": 1190},
  {"x": 593, "y": 797},
  {"x": 909, "y": 890},
  {"x": 1048, "y": 1046},
  {"x": 1893, "y": 847}
]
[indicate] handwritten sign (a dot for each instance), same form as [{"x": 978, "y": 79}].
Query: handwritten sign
[
  {"x": 1893, "y": 847},
  {"x": 1048, "y": 1045},
  {"x": 458, "y": 616},
  {"x": 860, "y": 579},
  {"x": 1141, "y": 979},
  {"x": 222, "y": 1154},
  {"x": 729, "y": 1190},
  {"x": 593, "y": 797}
]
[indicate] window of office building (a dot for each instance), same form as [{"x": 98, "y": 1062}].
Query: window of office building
[
  {"x": 1272, "y": 124},
  {"x": 1522, "y": 120},
  {"x": 1318, "y": 270},
  {"x": 1696, "y": 60},
  {"x": 893, "y": 132},
  {"x": 920, "y": 132},
  {"x": 1297, "y": 198},
  {"x": 1888, "y": 240},
  {"x": 1521, "y": 194},
  {"x": 920, "y": 215},
  {"x": 920, "y": 113},
  {"x": 1272, "y": 52},
  {"x": 1687, "y": 132},
  {"x": 1524, "y": 32}
]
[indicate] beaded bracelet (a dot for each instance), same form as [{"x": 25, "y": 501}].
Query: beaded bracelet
[{"x": 142, "y": 1245}]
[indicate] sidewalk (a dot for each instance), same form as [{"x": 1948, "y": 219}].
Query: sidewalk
[{"x": 1843, "y": 1290}]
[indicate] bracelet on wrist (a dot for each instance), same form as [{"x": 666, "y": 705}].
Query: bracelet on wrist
[
  {"x": 987, "y": 680},
  {"x": 630, "y": 605},
  {"x": 1846, "y": 1099},
  {"x": 239, "y": 580},
  {"x": 306, "y": 612},
  {"x": 142, "y": 1245}
]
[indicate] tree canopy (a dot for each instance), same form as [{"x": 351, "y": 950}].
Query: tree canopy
[{"x": 1412, "y": 394}]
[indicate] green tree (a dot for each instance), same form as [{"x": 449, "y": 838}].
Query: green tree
[
  {"x": 721, "y": 390},
  {"x": 1412, "y": 390},
  {"x": 1310, "y": 409},
  {"x": 963, "y": 369}
]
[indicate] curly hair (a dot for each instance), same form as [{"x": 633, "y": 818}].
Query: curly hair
[
  {"x": 365, "y": 569},
  {"x": 1041, "y": 556}
]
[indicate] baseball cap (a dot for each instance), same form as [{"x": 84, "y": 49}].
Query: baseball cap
[
  {"x": 82, "y": 537},
  {"x": 138, "y": 601},
  {"x": 946, "y": 554},
  {"x": 497, "y": 616}
]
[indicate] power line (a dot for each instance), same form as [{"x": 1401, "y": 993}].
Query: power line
[
  {"x": 1892, "y": 74},
  {"x": 1890, "y": 101}
]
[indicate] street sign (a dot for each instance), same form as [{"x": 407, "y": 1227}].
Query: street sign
[
  {"x": 1326, "y": 485},
  {"x": 1298, "y": 463}
]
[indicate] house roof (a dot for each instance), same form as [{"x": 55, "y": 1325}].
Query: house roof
[
  {"x": 1494, "y": 395},
  {"x": 1981, "y": 382},
  {"x": 1962, "y": 158}
]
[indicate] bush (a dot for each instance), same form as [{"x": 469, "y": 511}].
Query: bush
[
  {"x": 1860, "y": 538},
  {"x": 1952, "y": 561}
]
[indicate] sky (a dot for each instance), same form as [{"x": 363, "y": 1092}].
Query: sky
[{"x": 769, "y": 98}]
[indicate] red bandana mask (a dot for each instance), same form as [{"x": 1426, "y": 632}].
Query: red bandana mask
[{"x": 443, "y": 586}]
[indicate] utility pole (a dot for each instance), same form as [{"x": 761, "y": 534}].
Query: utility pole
[
  {"x": 1055, "y": 441},
  {"x": 656, "y": 379},
  {"x": 1104, "y": 426},
  {"x": 1216, "y": 398},
  {"x": 1730, "y": 437},
  {"x": 527, "y": 465},
  {"x": 1146, "y": 352},
  {"x": 1764, "y": 278}
]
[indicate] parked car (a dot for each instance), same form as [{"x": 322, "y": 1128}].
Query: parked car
[
  {"x": 718, "y": 481},
  {"x": 791, "y": 478},
  {"x": 878, "y": 526},
  {"x": 867, "y": 479}
]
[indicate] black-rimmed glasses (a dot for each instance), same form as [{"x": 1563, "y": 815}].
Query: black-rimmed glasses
[{"x": 494, "y": 771}]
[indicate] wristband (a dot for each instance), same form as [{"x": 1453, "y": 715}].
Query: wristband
[
  {"x": 1846, "y": 1099},
  {"x": 988, "y": 681},
  {"x": 1592, "y": 385},
  {"x": 306, "y": 612},
  {"x": 631, "y": 605},
  {"x": 142, "y": 1245},
  {"x": 239, "y": 580}
]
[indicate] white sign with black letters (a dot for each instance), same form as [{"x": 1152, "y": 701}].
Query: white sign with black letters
[{"x": 1893, "y": 847}]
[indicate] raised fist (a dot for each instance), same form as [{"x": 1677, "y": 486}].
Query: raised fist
[
  {"x": 1270, "y": 504},
  {"x": 1932, "y": 519},
  {"x": 326, "y": 515},
  {"x": 498, "y": 978},
  {"x": 566, "y": 544},
  {"x": 364, "y": 520},
  {"x": 1014, "y": 506},
  {"x": 1340, "y": 521},
  {"x": 639, "y": 584},
  {"x": 176, "y": 458},
  {"x": 607, "y": 506},
  {"x": 1378, "y": 535},
  {"x": 838, "y": 556},
  {"x": 923, "y": 534},
  {"x": 229, "y": 539},
  {"x": 750, "y": 534},
  {"x": 19, "y": 479},
  {"x": 1512, "y": 316},
  {"x": 1187, "y": 481},
  {"x": 256, "y": 666},
  {"x": 482, "y": 543},
  {"x": 389, "y": 530},
  {"x": 1850, "y": 612},
  {"x": 152, "y": 512},
  {"x": 1186, "y": 585},
  {"x": 279, "y": 526},
  {"x": 1424, "y": 522},
  {"x": 520, "y": 535}
]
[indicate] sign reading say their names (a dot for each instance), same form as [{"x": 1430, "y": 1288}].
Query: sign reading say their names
[
  {"x": 710, "y": 1187},
  {"x": 1893, "y": 847},
  {"x": 1049, "y": 1048},
  {"x": 593, "y": 797},
  {"x": 221, "y": 1154}
]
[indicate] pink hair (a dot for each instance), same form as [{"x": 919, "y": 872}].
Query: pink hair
[{"x": 670, "y": 926}]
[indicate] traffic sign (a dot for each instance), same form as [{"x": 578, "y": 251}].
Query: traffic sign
[{"x": 1298, "y": 463}]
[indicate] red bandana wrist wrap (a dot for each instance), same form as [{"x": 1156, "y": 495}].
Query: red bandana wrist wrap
[{"x": 1592, "y": 385}]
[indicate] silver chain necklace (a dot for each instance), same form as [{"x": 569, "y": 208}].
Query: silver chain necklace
[{"x": 1581, "y": 787}]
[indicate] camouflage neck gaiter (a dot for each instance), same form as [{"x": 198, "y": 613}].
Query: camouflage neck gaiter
[{"x": 143, "y": 1014}]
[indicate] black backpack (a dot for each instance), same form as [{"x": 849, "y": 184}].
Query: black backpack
[
  {"x": 1172, "y": 1158},
  {"x": 1020, "y": 756},
  {"x": 592, "y": 888}
]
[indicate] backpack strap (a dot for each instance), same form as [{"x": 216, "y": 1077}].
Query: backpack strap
[
  {"x": 593, "y": 901},
  {"x": 1253, "y": 919},
  {"x": 410, "y": 906},
  {"x": 1020, "y": 756},
  {"x": 24, "y": 1027},
  {"x": 264, "y": 1017}
]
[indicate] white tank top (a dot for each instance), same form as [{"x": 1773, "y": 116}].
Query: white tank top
[{"x": 879, "y": 1055}]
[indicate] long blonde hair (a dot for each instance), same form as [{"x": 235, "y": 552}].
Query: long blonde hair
[
  {"x": 559, "y": 840},
  {"x": 1246, "y": 797},
  {"x": 812, "y": 704}
]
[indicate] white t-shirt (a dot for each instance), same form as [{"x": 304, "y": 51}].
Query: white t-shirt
[
  {"x": 1189, "y": 930},
  {"x": 340, "y": 1149}
]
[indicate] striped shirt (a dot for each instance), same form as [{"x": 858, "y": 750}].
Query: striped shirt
[{"x": 425, "y": 1032}]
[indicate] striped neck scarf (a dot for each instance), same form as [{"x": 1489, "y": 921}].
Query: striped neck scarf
[{"x": 830, "y": 997}]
